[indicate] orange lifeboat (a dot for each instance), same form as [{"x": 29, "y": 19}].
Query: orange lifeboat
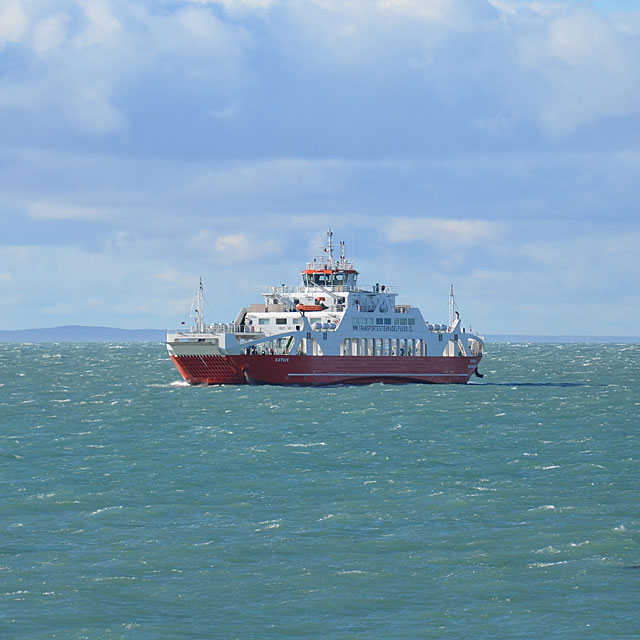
[{"x": 309, "y": 307}]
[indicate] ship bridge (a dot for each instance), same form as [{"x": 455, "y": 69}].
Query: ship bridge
[{"x": 327, "y": 272}]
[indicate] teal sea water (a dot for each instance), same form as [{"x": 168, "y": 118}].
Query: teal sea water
[{"x": 132, "y": 506}]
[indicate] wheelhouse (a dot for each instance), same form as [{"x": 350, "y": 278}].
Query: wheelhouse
[{"x": 330, "y": 278}]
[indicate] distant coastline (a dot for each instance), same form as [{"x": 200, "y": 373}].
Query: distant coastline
[{"x": 75, "y": 333}]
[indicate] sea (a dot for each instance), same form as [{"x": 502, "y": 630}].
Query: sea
[{"x": 134, "y": 506}]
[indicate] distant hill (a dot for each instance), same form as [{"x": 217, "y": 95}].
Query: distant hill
[{"x": 83, "y": 334}]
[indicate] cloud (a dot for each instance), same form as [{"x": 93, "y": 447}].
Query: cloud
[
  {"x": 444, "y": 233},
  {"x": 431, "y": 11},
  {"x": 290, "y": 176},
  {"x": 97, "y": 66},
  {"x": 56, "y": 211},
  {"x": 79, "y": 60},
  {"x": 579, "y": 68},
  {"x": 238, "y": 5},
  {"x": 50, "y": 33},
  {"x": 102, "y": 27},
  {"x": 13, "y": 22},
  {"x": 240, "y": 247}
]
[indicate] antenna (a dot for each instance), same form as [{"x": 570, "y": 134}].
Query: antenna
[{"x": 330, "y": 247}]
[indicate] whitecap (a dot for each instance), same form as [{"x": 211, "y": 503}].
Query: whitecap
[
  {"x": 93, "y": 513},
  {"x": 544, "y": 507},
  {"x": 311, "y": 444},
  {"x": 353, "y": 571}
]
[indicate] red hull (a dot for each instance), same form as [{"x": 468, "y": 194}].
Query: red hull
[{"x": 324, "y": 370}]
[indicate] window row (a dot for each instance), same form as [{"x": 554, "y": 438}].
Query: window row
[
  {"x": 364, "y": 320},
  {"x": 280, "y": 321}
]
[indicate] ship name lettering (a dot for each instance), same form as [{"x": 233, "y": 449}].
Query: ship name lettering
[{"x": 282, "y": 360}]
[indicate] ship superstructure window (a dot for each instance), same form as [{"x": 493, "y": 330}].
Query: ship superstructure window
[
  {"x": 411, "y": 321},
  {"x": 387, "y": 320},
  {"x": 379, "y": 320},
  {"x": 263, "y": 320},
  {"x": 329, "y": 279},
  {"x": 281, "y": 321}
]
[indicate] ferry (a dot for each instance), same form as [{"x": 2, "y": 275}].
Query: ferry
[{"x": 329, "y": 330}]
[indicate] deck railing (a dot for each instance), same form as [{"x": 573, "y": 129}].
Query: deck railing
[
  {"x": 341, "y": 288},
  {"x": 213, "y": 329}
]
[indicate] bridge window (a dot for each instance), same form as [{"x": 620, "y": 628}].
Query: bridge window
[{"x": 281, "y": 321}]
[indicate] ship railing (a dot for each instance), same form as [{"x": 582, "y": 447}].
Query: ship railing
[
  {"x": 213, "y": 329},
  {"x": 339, "y": 288},
  {"x": 338, "y": 265}
]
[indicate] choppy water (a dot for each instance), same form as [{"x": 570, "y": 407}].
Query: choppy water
[{"x": 132, "y": 506}]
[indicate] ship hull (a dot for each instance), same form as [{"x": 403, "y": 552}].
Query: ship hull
[{"x": 325, "y": 370}]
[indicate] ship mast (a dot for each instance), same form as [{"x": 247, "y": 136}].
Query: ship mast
[
  {"x": 200, "y": 309},
  {"x": 452, "y": 305}
]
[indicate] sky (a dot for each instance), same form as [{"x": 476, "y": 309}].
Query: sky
[{"x": 492, "y": 144}]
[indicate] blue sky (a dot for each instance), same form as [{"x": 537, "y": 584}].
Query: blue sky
[{"x": 494, "y": 144}]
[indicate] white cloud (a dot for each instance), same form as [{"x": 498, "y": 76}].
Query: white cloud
[
  {"x": 429, "y": 10},
  {"x": 102, "y": 28},
  {"x": 238, "y": 5},
  {"x": 235, "y": 247},
  {"x": 50, "y": 34},
  {"x": 447, "y": 234},
  {"x": 57, "y": 211},
  {"x": 579, "y": 69},
  {"x": 513, "y": 7},
  {"x": 280, "y": 175},
  {"x": 13, "y": 22},
  {"x": 80, "y": 56},
  {"x": 547, "y": 63}
]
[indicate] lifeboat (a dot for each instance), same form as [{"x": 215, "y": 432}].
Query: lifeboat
[{"x": 310, "y": 307}]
